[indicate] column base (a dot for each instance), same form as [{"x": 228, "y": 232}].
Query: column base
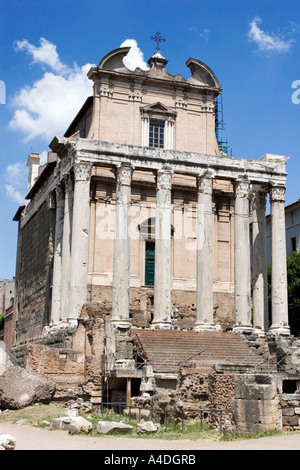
[
  {"x": 279, "y": 329},
  {"x": 164, "y": 325},
  {"x": 243, "y": 329},
  {"x": 121, "y": 324},
  {"x": 205, "y": 327},
  {"x": 260, "y": 332}
]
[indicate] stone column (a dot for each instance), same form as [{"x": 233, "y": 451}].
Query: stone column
[
  {"x": 80, "y": 238},
  {"x": 205, "y": 280},
  {"x": 259, "y": 262},
  {"x": 121, "y": 265},
  {"x": 242, "y": 257},
  {"x": 278, "y": 261},
  {"x": 57, "y": 262},
  {"x": 66, "y": 247},
  {"x": 162, "y": 277}
]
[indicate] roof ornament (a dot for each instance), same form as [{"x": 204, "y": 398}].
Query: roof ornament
[{"x": 158, "y": 39}]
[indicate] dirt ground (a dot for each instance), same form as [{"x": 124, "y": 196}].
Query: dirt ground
[{"x": 30, "y": 438}]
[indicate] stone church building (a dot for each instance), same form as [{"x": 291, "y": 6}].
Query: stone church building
[{"x": 134, "y": 251}]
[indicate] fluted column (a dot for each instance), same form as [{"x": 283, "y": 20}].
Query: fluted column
[
  {"x": 57, "y": 262},
  {"x": 162, "y": 278},
  {"x": 280, "y": 321},
  {"x": 242, "y": 257},
  {"x": 205, "y": 281},
  {"x": 121, "y": 264},
  {"x": 66, "y": 247},
  {"x": 259, "y": 262},
  {"x": 80, "y": 238}
]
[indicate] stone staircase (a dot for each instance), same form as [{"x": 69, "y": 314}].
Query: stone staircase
[{"x": 169, "y": 350}]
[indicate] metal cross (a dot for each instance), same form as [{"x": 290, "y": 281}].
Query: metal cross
[{"x": 157, "y": 38}]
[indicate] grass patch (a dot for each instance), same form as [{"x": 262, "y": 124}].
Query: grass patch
[{"x": 33, "y": 415}]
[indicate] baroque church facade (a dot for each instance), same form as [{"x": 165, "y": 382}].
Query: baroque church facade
[{"x": 138, "y": 224}]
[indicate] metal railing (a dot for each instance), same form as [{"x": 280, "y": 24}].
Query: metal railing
[{"x": 163, "y": 416}]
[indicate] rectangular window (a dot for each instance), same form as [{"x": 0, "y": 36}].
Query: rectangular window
[
  {"x": 156, "y": 134},
  {"x": 293, "y": 244}
]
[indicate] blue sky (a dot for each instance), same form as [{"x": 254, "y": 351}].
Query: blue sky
[{"x": 47, "y": 47}]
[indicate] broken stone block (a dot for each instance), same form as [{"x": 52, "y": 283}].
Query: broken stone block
[
  {"x": 19, "y": 388},
  {"x": 80, "y": 424},
  {"x": 7, "y": 442},
  {"x": 147, "y": 427},
  {"x": 106, "y": 427}
]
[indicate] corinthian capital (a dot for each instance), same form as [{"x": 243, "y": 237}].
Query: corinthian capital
[
  {"x": 242, "y": 188},
  {"x": 205, "y": 184},
  {"x": 164, "y": 179},
  {"x": 277, "y": 194},
  {"x": 82, "y": 171},
  {"x": 124, "y": 174}
]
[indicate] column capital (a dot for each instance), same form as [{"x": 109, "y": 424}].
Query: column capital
[
  {"x": 242, "y": 188},
  {"x": 164, "y": 178},
  {"x": 277, "y": 193},
  {"x": 124, "y": 174},
  {"x": 82, "y": 171},
  {"x": 205, "y": 183},
  {"x": 258, "y": 198}
]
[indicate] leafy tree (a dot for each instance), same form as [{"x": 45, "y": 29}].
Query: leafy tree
[
  {"x": 1, "y": 322},
  {"x": 293, "y": 280}
]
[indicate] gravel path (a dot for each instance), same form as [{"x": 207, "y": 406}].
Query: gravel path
[{"x": 30, "y": 438}]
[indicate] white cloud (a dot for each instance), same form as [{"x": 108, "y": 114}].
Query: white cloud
[
  {"x": 267, "y": 42},
  {"x": 135, "y": 57},
  {"x": 46, "y": 108},
  {"x": 45, "y": 54},
  {"x": 16, "y": 181}
]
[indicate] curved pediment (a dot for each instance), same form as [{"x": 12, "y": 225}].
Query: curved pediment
[
  {"x": 114, "y": 60},
  {"x": 201, "y": 74}
]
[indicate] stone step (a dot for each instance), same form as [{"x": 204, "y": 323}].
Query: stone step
[{"x": 166, "y": 350}]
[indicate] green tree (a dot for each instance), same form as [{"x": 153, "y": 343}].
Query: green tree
[
  {"x": 293, "y": 280},
  {"x": 1, "y": 322}
]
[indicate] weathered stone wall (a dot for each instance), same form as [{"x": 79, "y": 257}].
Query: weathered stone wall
[
  {"x": 35, "y": 276},
  {"x": 255, "y": 406},
  {"x": 77, "y": 369},
  {"x": 203, "y": 388},
  {"x": 290, "y": 409},
  {"x": 183, "y": 306}
]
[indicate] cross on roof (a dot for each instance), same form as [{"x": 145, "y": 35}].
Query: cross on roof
[{"x": 157, "y": 38}]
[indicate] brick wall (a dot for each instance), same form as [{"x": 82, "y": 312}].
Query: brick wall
[{"x": 35, "y": 274}]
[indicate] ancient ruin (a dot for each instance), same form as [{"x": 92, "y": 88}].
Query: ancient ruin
[{"x": 136, "y": 277}]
